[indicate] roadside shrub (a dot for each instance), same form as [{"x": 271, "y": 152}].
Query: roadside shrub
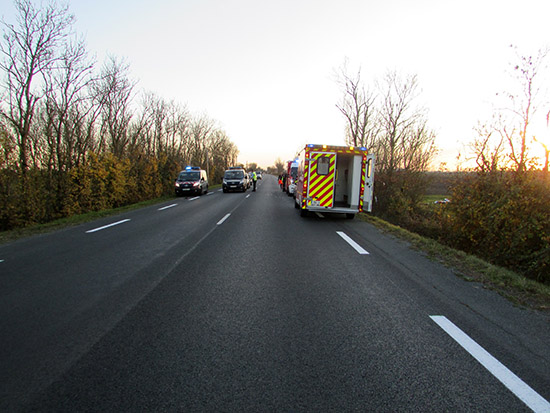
[{"x": 502, "y": 217}]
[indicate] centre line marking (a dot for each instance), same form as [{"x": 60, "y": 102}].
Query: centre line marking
[
  {"x": 107, "y": 226},
  {"x": 209, "y": 193},
  {"x": 351, "y": 242},
  {"x": 248, "y": 195},
  {"x": 517, "y": 386},
  {"x": 221, "y": 221},
  {"x": 166, "y": 207},
  {"x": 192, "y": 199}
]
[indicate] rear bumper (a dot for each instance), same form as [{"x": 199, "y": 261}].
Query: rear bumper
[
  {"x": 237, "y": 187},
  {"x": 335, "y": 210}
]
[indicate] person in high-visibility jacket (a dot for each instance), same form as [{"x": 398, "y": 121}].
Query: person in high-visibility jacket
[{"x": 254, "y": 179}]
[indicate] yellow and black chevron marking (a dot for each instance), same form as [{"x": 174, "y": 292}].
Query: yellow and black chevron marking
[{"x": 321, "y": 187}]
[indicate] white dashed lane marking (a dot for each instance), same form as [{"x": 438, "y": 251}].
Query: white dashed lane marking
[
  {"x": 517, "y": 386},
  {"x": 351, "y": 242},
  {"x": 107, "y": 226},
  {"x": 221, "y": 221},
  {"x": 166, "y": 207}
]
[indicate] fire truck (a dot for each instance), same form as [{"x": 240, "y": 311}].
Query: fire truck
[{"x": 337, "y": 179}]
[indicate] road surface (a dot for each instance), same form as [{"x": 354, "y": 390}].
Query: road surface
[{"x": 233, "y": 302}]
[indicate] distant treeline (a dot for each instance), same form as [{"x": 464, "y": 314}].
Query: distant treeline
[{"x": 74, "y": 138}]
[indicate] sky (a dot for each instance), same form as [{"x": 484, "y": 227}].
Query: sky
[{"x": 265, "y": 70}]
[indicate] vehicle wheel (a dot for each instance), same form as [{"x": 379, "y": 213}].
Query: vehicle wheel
[
  {"x": 224, "y": 190},
  {"x": 296, "y": 204},
  {"x": 303, "y": 212},
  {"x": 350, "y": 216}
]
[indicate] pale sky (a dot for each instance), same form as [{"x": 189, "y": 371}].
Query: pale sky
[{"x": 264, "y": 70}]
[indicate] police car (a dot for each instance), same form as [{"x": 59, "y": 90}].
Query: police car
[
  {"x": 235, "y": 179},
  {"x": 192, "y": 180}
]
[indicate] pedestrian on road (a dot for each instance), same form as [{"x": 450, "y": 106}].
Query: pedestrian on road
[{"x": 254, "y": 179}]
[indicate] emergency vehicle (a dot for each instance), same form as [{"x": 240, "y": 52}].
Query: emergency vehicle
[
  {"x": 291, "y": 175},
  {"x": 192, "y": 180},
  {"x": 336, "y": 179}
]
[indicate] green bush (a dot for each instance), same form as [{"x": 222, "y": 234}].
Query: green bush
[
  {"x": 503, "y": 217},
  {"x": 100, "y": 182}
]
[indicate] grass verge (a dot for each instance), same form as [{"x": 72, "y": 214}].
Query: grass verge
[{"x": 516, "y": 288}]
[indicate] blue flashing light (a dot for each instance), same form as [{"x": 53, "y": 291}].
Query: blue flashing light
[
  {"x": 363, "y": 148},
  {"x": 310, "y": 145}
]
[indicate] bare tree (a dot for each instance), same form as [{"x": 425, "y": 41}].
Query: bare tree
[
  {"x": 395, "y": 128},
  {"x": 523, "y": 108},
  {"x": 201, "y": 129},
  {"x": 488, "y": 147},
  {"x": 546, "y": 147},
  {"x": 279, "y": 166},
  {"x": 68, "y": 103},
  {"x": 404, "y": 135},
  {"x": 114, "y": 92},
  {"x": 358, "y": 107},
  {"x": 29, "y": 50}
]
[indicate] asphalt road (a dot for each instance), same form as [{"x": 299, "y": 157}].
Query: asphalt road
[{"x": 233, "y": 302}]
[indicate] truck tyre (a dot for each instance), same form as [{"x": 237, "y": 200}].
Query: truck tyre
[
  {"x": 350, "y": 216},
  {"x": 303, "y": 212}
]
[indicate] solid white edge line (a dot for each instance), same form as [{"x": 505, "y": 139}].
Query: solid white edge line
[
  {"x": 166, "y": 207},
  {"x": 221, "y": 221},
  {"x": 517, "y": 386},
  {"x": 107, "y": 226},
  {"x": 351, "y": 242}
]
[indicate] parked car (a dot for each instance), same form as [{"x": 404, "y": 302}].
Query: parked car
[
  {"x": 192, "y": 180},
  {"x": 235, "y": 179}
]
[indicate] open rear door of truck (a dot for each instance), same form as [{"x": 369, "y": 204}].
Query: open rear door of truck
[
  {"x": 322, "y": 168},
  {"x": 369, "y": 184}
]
